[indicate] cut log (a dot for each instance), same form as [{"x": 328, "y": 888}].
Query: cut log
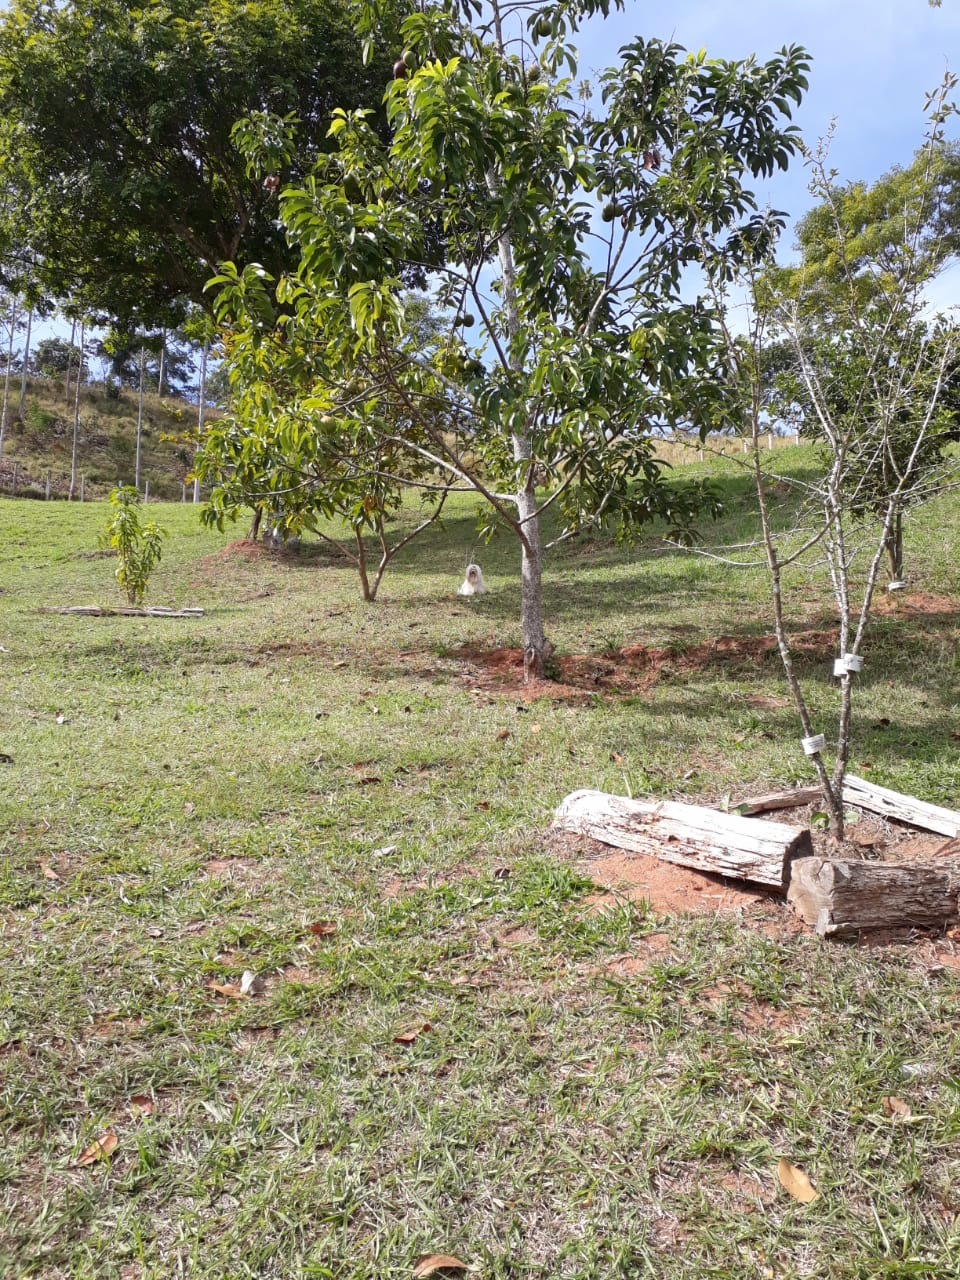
[
  {"x": 705, "y": 839},
  {"x": 930, "y": 817},
  {"x": 108, "y": 611},
  {"x": 792, "y": 799},
  {"x": 835, "y": 896}
]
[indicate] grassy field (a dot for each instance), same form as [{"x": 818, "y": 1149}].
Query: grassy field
[{"x": 451, "y": 1053}]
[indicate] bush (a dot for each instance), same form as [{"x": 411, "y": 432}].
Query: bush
[{"x": 138, "y": 548}]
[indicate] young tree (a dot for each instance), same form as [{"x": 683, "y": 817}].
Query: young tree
[
  {"x": 280, "y": 450},
  {"x": 861, "y": 248},
  {"x": 569, "y": 335},
  {"x": 871, "y": 374}
]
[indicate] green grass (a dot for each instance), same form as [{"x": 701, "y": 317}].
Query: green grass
[{"x": 187, "y": 797}]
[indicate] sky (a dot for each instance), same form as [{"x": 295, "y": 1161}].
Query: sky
[{"x": 873, "y": 61}]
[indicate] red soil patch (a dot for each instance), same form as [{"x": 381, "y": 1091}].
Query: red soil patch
[
  {"x": 624, "y": 671},
  {"x": 243, "y": 549},
  {"x": 668, "y": 889},
  {"x": 918, "y": 604}
]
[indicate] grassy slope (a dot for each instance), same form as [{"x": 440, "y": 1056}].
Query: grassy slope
[
  {"x": 41, "y": 441},
  {"x": 217, "y": 785}
]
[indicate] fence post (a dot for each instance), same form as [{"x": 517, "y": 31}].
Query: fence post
[
  {"x": 146, "y": 490},
  {"x": 183, "y": 493},
  {"x": 16, "y": 467},
  {"x": 769, "y": 439},
  {"x": 48, "y": 486},
  {"x": 83, "y": 484}
]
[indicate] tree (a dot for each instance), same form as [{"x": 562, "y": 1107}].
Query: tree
[
  {"x": 855, "y": 353},
  {"x": 861, "y": 247},
  {"x": 116, "y": 121},
  {"x": 568, "y": 333},
  {"x": 302, "y": 473}
]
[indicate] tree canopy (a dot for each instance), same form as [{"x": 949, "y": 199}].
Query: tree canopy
[
  {"x": 570, "y": 331},
  {"x": 116, "y": 120}
]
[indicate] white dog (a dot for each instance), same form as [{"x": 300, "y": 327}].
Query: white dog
[{"x": 473, "y": 584}]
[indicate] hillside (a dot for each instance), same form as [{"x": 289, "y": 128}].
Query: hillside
[{"x": 38, "y": 444}]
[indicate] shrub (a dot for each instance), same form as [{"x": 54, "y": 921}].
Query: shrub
[{"x": 138, "y": 548}]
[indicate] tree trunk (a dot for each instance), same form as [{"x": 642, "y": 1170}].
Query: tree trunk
[
  {"x": 136, "y": 479},
  {"x": 536, "y": 647},
  {"x": 6, "y": 376},
  {"x": 26, "y": 359},
  {"x": 362, "y": 566},
  {"x": 894, "y": 546},
  {"x": 73, "y": 336},
  {"x": 76, "y": 423},
  {"x": 163, "y": 362},
  {"x": 203, "y": 392},
  {"x": 254, "y": 531}
]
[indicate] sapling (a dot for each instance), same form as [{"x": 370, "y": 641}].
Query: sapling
[
  {"x": 869, "y": 377},
  {"x": 138, "y": 547}
]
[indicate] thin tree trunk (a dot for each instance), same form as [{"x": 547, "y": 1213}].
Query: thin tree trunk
[
  {"x": 254, "y": 531},
  {"x": 163, "y": 362},
  {"x": 6, "y": 376},
  {"x": 26, "y": 359},
  {"x": 203, "y": 392},
  {"x": 73, "y": 335},
  {"x": 136, "y": 478},
  {"x": 76, "y": 422},
  {"x": 895, "y": 548},
  {"x": 362, "y": 566}
]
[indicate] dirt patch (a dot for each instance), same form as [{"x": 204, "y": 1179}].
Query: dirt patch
[
  {"x": 649, "y": 950},
  {"x": 628, "y": 671},
  {"x": 918, "y": 604},
  {"x": 666, "y": 888},
  {"x": 233, "y": 867},
  {"x": 243, "y": 549}
]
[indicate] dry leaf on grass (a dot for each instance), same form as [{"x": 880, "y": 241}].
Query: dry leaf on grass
[
  {"x": 48, "y": 872},
  {"x": 408, "y": 1037},
  {"x": 229, "y": 989},
  {"x": 437, "y": 1262},
  {"x": 894, "y": 1107},
  {"x": 796, "y": 1182},
  {"x": 503, "y": 735},
  {"x": 101, "y": 1149},
  {"x": 141, "y": 1104},
  {"x": 322, "y": 928}
]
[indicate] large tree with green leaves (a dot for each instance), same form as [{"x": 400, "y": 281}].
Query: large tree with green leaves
[
  {"x": 116, "y": 120},
  {"x": 572, "y": 328}
]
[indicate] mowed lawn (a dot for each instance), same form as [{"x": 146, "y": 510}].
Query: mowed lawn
[{"x": 447, "y": 1049}]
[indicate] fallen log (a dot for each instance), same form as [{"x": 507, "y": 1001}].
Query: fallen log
[
  {"x": 705, "y": 839},
  {"x": 108, "y": 611},
  {"x": 836, "y": 897},
  {"x": 892, "y": 804},
  {"x": 792, "y": 799}
]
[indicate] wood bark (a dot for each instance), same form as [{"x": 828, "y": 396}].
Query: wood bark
[
  {"x": 108, "y": 611},
  {"x": 891, "y": 804},
  {"x": 836, "y": 896},
  {"x": 793, "y": 799},
  {"x": 705, "y": 839}
]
